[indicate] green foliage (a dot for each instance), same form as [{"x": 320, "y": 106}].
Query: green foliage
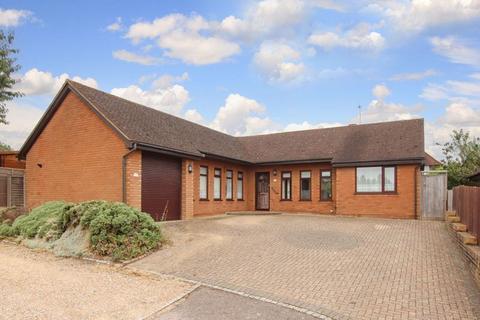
[
  {"x": 6, "y": 230},
  {"x": 462, "y": 157},
  {"x": 8, "y": 67},
  {"x": 5, "y": 147},
  {"x": 115, "y": 229},
  {"x": 43, "y": 222}
]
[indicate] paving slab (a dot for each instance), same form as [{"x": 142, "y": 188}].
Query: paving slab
[
  {"x": 342, "y": 267},
  {"x": 210, "y": 304}
]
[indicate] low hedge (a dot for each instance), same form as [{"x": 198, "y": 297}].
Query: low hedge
[{"x": 115, "y": 229}]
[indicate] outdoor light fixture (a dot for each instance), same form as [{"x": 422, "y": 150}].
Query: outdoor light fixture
[
  {"x": 190, "y": 168},
  {"x": 39, "y": 165},
  {"x": 275, "y": 172}
]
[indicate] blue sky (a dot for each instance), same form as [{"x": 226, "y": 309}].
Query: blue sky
[{"x": 248, "y": 67}]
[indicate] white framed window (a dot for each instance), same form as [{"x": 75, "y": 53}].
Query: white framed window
[
  {"x": 376, "y": 179},
  {"x": 229, "y": 195},
  {"x": 203, "y": 183},
  {"x": 217, "y": 184},
  {"x": 240, "y": 185}
]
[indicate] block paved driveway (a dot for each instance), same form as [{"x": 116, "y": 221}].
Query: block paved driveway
[{"x": 342, "y": 267}]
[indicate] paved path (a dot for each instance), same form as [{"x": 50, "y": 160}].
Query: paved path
[
  {"x": 345, "y": 268},
  {"x": 209, "y": 304}
]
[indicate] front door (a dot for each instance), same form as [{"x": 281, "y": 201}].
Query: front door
[{"x": 262, "y": 187}]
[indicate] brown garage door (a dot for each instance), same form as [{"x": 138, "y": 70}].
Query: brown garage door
[{"x": 161, "y": 186}]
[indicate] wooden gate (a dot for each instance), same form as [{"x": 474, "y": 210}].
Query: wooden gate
[{"x": 434, "y": 195}]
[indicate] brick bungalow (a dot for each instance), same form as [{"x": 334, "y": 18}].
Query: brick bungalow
[{"x": 93, "y": 145}]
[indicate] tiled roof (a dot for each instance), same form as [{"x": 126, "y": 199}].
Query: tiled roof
[{"x": 378, "y": 142}]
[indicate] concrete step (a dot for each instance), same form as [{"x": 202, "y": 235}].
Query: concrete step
[
  {"x": 460, "y": 227},
  {"x": 450, "y": 213},
  {"x": 453, "y": 219},
  {"x": 467, "y": 238}
]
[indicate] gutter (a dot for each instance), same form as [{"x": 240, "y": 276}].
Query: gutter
[{"x": 124, "y": 172}]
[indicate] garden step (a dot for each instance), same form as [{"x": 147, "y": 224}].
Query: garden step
[
  {"x": 460, "y": 227},
  {"x": 467, "y": 238},
  {"x": 451, "y": 213},
  {"x": 453, "y": 219}
]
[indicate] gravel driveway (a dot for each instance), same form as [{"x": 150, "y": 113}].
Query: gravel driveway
[
  {"x": 37, "y": 285},
  {"x": 345, "y": 268}
]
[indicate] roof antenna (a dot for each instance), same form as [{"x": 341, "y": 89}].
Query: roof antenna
[{"x": 359, "y": 114}]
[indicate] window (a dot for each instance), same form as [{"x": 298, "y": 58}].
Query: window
[
  {"x": 203, "y": 183},
  {"x": 376, "y": 179},
  {"x": 217, "y": 184},
  {"x": 229, "y": 195},
  {"x": 326, "y": 185},
  {"x": 286, "y": 186},
  {"x": 240, "y": 185},
  {"x": 305, "y": 185}
]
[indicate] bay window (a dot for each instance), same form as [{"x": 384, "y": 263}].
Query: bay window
[{"x": 375, "y": 179}]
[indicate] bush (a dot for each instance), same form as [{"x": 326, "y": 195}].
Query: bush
[
  {"x": 6, "y": 231},
  {"x": 115, "y": 229},
  {"x": 43, "y": 222}
]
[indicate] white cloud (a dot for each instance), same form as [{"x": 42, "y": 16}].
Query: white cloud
[
  {"x": 190, "y": 39},
  {"x": 414, "y": 75},
  {"x": 328, "y": 4},
  {"x": 265, "y": 18},
  {"x": 167, "y": 80},
  {"x": 128, "y": 56},
  {"x": 171, "y": 99},
  {"x": 35, "y": 82},
  {"x": 116, "y": 26},
  {"x": 240, "y": 116},
  {"x": 417, "y": 15},
  {"x": 359, "y": 37},
  {"x": 456, "y": 50},
  {"x": 279, "y": 62},
  {"x": 451, "y": 89},
  {"x": 381, "y": 91},
  {"x": 461, "y": 115},
  {"x": 194, "y": 116},
  {"x": 22, "y": 119},
  {"x": 13, "y": 17},
  {"x": 305, "y": 125},
  {"x": 475, "y": 76}
]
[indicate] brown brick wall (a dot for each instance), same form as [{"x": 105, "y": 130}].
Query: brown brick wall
[
  {"x": 296, "y": 205},
  {"x": 211, "y": 206},
  {"x": 400, "y": 205},
  {"x": 187, "y": 204},
  {"x": 81, "y": 158},
  {"x": 11, "y": 161},
  {"x": 133, "y": 178},
  {"x": 202, "y": 207}
]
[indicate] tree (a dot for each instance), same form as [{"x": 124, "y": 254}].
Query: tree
[
  {"x": 462, "y": 157},
  {"x": 8, "y": 67},
  {"x": 5, "y": 147}
]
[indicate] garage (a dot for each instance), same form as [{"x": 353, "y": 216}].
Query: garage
[{"x": 161, "y": 186}]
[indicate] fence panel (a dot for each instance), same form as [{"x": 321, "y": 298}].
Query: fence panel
[
  {"x": 466, "y": 201},
  {"x": 434, "y": 195}
]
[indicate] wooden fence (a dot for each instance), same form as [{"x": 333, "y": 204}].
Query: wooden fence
[
  {"x": 466, "y": 201},
  {"x": 12, "y": 188}
]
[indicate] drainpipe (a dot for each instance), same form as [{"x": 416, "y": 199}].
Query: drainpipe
[{"x": 124, "y": 172}]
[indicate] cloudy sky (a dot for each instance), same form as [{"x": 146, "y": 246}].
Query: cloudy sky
[{"x": 248, "y": 67}]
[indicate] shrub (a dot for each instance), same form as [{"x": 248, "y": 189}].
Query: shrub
[
  {"x": 115, "y": 229},
  {"x": 6, "y": 231},
  {"x": 43, "y": 222}
]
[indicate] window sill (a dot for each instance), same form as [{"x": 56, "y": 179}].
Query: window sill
[
  {"x": 285, "y": 199},
  {"x": 203, "y": 199},
  {"x": 305, "y": 200},
  {"x": 229, "y": 199},
  {"x": 217, "y": 199},
  {"x": 240, "y": 199},
  {"x": 376, "y": 193},
  {"x": 329, "y": 200}
]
